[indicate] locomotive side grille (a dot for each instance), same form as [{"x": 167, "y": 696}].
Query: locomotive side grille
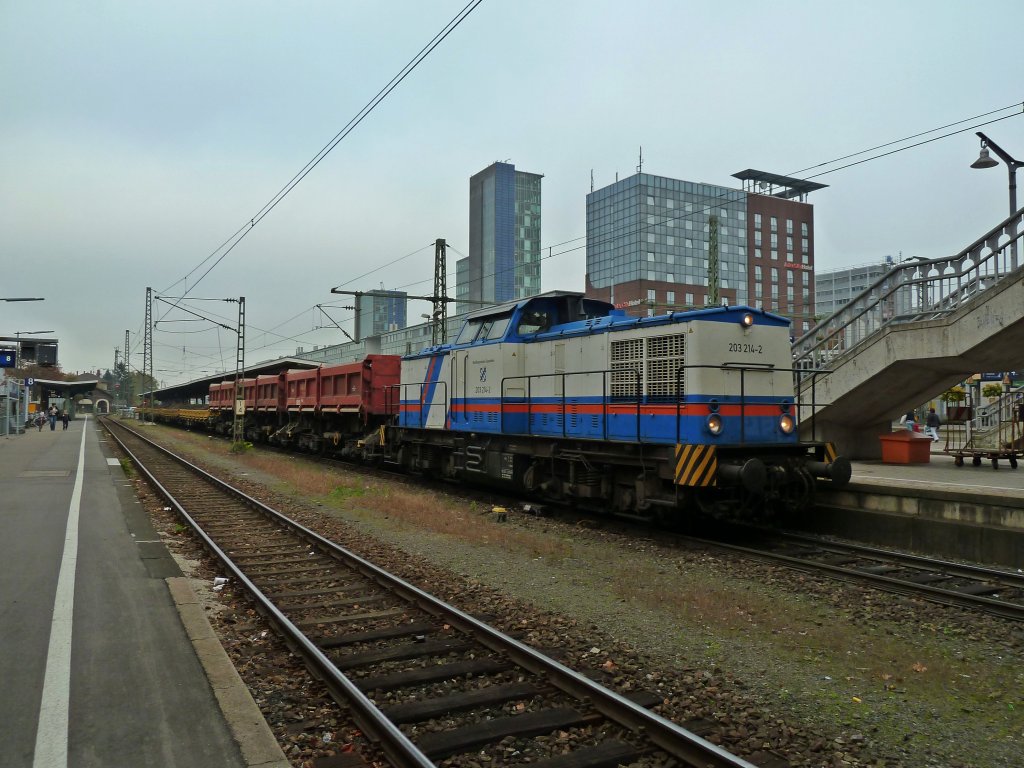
[
  {"x": 627, "y": 357},
  {"x": 665, "y": 354}
]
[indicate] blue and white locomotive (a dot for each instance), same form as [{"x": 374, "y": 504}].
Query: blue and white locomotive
[{"x": 569, "y": 399}]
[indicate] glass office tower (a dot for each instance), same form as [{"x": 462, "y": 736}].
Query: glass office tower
[
  {"x": 650, "y": 240},
  {"x": 504, "y": 237}
]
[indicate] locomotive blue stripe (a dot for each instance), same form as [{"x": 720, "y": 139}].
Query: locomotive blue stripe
[{"x": 594, "y": 418}]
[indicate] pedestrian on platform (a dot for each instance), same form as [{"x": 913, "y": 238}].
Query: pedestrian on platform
[
  {"x": 64, "y": 419},
  {"x": 53, "y": 417},
  {"x": 932, "y": 424},
  {"x": 907, "y": 420},
  {"x": 40, "y": 420}
]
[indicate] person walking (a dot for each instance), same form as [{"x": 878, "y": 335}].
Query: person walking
[
  {"x": 908, "y": 421},
  {"x": 53, "y": 418},
  {"x": 64, "y": 420},
  {"x": 932, "y": 424},
  {"x": 40, "y": 420}
]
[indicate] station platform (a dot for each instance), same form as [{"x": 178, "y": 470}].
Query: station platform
[
  {"x": 108, "y": 658},
  {"x": 941, "y": 474}
]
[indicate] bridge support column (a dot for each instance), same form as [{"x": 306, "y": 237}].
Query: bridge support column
[{"x": 854, "y": 441}]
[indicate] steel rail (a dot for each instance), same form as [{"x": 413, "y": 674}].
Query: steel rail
[
  {"x": 1001, "y": 608},
  {"x": 667, "y": 735}
]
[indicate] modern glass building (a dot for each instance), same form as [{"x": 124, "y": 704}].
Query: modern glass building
[
  {"x": 380, "y": 311},
  {"x": 504, "y": 237},
  {"x": 650, "y": 241}
]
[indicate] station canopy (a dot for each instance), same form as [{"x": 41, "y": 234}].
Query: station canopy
[{"x": 197, "y": 389}]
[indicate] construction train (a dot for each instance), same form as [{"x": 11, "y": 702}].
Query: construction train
[{"x": 566, "y": 399}]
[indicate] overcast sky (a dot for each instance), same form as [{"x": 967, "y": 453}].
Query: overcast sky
[{"x": 136, "y": 137}]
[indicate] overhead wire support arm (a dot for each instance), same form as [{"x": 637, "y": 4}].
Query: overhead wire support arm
[{"x": 335, "y": 322}]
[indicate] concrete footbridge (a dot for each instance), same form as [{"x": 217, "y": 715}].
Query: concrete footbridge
[{"x": 919, "y": 329}]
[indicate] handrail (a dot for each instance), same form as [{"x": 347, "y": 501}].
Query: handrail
[
  {"x": 923, "y": 289},
  {"x": 798, "y": 404}
]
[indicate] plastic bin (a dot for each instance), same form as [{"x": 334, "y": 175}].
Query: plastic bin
[{"x": 903, "y": 447}]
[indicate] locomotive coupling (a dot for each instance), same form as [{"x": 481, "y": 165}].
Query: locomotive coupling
[
  {"x": 838, "y": 470},
  {"x": 751, "y": 474}
]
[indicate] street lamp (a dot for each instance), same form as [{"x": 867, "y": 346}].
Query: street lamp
[{"x": 985, "y": 160}]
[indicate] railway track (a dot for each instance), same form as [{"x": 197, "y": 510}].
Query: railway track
[
  {"x": 426, "y": 682},
  {"x": 991, "y": 590}
]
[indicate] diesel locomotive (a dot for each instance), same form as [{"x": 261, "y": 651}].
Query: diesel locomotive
[{"x": 567, "y": 399}]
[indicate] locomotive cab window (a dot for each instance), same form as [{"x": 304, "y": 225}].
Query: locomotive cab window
[{"x": 533, "y": 322}]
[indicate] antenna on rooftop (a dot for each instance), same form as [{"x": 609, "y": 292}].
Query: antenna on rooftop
[{"x": 640, "y": 165}]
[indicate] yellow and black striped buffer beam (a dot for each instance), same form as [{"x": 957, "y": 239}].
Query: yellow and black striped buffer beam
[
  {"x": 830, "y": 453},
  {"x": 696, "y": 465}
]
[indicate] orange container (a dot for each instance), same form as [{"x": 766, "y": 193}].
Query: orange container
[{"x": 905, "y": 447}]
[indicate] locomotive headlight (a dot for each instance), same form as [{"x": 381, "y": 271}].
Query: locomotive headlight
[
  {"x": 747, "y": 320},
  {"x": 786, "y": 424},
  {"x": 715, "y": 424}
]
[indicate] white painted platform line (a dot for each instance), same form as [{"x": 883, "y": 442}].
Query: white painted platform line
[
  {"x": 113, "y": 462},
  {"x": 52, "y": 730}
]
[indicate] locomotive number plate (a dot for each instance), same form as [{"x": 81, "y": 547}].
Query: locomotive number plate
[{"x": 745, "y": 349}]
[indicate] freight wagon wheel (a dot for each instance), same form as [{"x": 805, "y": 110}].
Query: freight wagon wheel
[
  {"x": 958, "y": 461},
  {"x": 1013, "y": 462},
  {"x": 976, "y": 461},
  {"x": 995, "y": 463}
]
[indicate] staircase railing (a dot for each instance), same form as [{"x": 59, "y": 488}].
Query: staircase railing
[{"x": 922, "y": 289}]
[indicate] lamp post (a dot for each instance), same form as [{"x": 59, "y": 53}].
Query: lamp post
[{"x": 985, "y": 160}]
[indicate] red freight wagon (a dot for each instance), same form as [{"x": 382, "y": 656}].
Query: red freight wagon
[
  {"x": 249, "y": 394},
  {"x": 270, "y": 392},
  {"x": 302, "y": 388},
  {"x": 361, "y": 387},
  {"x": 220, "y": 395}
]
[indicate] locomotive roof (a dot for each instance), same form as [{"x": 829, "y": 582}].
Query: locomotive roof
[
  {"x": 508, "y": 306},
  {"x": 561, "y": 314}
]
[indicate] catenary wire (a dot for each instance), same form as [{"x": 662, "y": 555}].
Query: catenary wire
[{"x": 345, "y": 131}]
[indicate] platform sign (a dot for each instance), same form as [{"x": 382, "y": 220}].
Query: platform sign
[
  {"x": 998, "y": 375},
  {"x": 8, "y": 358}
]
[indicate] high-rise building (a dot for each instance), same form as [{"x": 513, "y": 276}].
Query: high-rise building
[
  {"x": 504, "y": 237},
  {"x": 652, "y": 242},
  {"x": 380, "y": 311},
  {"x": 833, "y": 290}
]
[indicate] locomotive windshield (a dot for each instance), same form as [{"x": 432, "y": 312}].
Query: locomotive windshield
[{"x": 484, "y": 329}]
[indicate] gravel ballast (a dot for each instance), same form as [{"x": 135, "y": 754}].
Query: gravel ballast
[{"x": 820, "y": 672}]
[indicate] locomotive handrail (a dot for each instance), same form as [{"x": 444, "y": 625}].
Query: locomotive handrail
[
  {"x": 392, "y": 399},
  {"x": 604, "y": 373},
  {"x": 424, "y": 406}
]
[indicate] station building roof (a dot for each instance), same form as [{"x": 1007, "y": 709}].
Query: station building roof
[
  {"x": 788, "y": 187},
  {"x": 200, "y": 388}
]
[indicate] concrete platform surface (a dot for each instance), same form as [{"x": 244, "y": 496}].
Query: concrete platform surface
[
  {"x": 941, "y": 474},
  {"x": 107, "y": 657}
]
